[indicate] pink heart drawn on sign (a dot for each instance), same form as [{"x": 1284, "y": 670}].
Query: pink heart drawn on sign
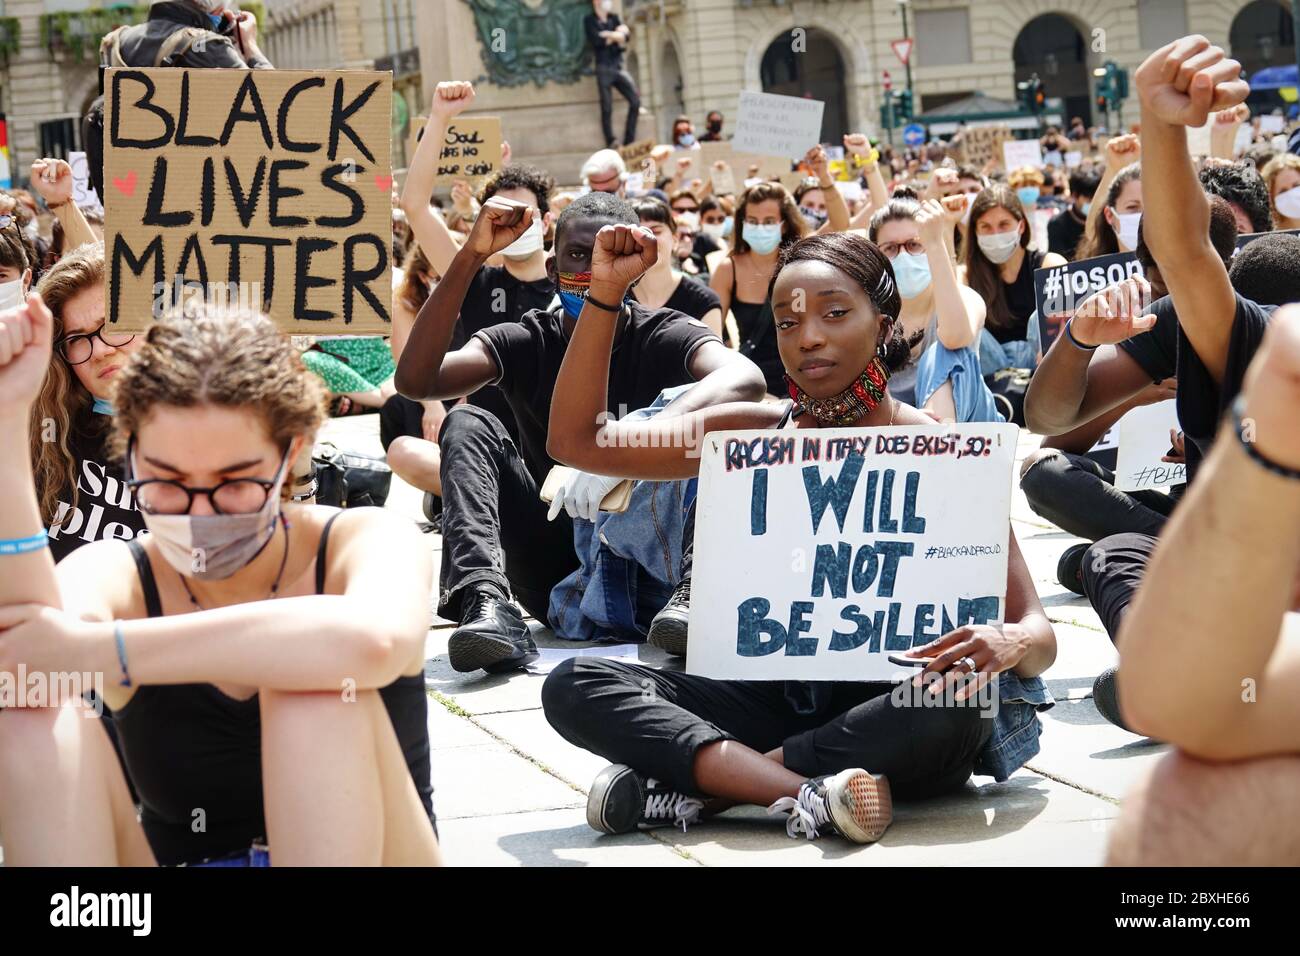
[
  {"x": 126, "y": 186},
  {"x": 385, "y": 183}
]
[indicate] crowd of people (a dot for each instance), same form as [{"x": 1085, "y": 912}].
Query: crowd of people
[{"x": 591, "y": 326}]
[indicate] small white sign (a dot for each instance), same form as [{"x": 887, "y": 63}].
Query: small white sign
[
  {"x": 1073, "y": 159},
  {"x": 772, "y": 125},
  {"x": 1022, "y": 152},
  {"x": 83, "y": 193},
  {"x": 819, "y": 552},
  {"x": 1271, "y": 124},
  {"x": 1143, "y": 441}
]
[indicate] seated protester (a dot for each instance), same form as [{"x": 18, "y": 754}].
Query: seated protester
[
  {"x": 1059, "y": 480},
  {"x": 356, "y": 369},
  {"x": 18, "y": 263},
  {"x": 1240, "y": 184},
  {"x": 767, "y": 220},
  {"x": 1227, "y": 566},
  {"x": 224, "y": 661},
  {"x": 700, "y": 244},
  {"x": 409, "y": 430},
  {"x": 1121, "y": 214},
  {"x": 1066, "y": 228},
  {"x": 1027, "y": 182},
  {"x": 832, "y": 755},
  {"x": 663, "y": 287},
  {"x": 497, "y": 540},
  {"x": 1000, "y": 267},
  {"x": 1212, "y": 352},
  {"x": 1282, "y": 179},
  {"x": 715, "y": 222},
  {"x": 80, "y": 487},
  {"x": 941, "y": 319}
]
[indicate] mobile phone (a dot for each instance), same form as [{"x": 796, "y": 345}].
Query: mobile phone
[{"x": 909, "y": 661}]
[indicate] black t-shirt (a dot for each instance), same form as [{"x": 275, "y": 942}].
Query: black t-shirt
[
  {"x": 105, "y": 509},
  {"x": 495, "y": 296},
  {"x": 1165, "y": 351},
  {"x": 1064, "y": 232},
  {"x": 1020, "y": 299},
  {"x": 701, "y": 248},
  {"x": 609, "y": 56},
  {"x": 693, "y": 298},
  {"x": 651, "y": 353}
]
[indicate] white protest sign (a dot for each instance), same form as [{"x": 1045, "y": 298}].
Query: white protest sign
[
  {"x": 818, "y": 553},
  {"x": 1272, "y": 124},
  {"x": 1245, "y": 136},
  {"x": 772, "y": 125},
  {"x": 851, "y": 190},
  {"x": 1073, "y": 159},
  {"x": 1198, "y": 139},
  {"x": 1022, "y": 152},
  {"x": 83, "y": 193},
  {"x": 1143, "y": 441}
]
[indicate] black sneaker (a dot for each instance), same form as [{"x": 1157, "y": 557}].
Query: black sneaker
[
  {"x": 669, "y": 627},
  {"x": 622, "y": 800},
  {"x": 1105, "y": 697},
  {"x": 853, "y": 803},
  {"x": 1069, "y": 568},
  {"x": 492, "y": 636}
]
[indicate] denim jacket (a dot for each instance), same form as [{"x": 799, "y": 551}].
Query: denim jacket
[
  {"x": 1016, "y": 728},
  {"x": 629, "y": 563}
]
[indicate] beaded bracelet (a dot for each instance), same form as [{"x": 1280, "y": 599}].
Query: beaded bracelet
[{"x": 1239, "y": 427}]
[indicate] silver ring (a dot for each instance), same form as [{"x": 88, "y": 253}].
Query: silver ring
[{"x": 970, "y": 664}]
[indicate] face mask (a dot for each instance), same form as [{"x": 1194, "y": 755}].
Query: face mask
[
  {"x": 715, "y": 126},
  {"x": 998, "y": 247},
  {"x": 1288, "y": 203},
  {"x": 1127, "y": 230},
  {"x": 814, "y": 217},
  {"x": 686, "y": 139},
  {"x": 1085, "y": 208},
  {"x": 102, "y": 406},
  {"x": 213, "y": 547},
  {"x": 528, "y": 243},
  {"x": 11, "y": 295},
  {"x": 911, "y": 274},
  {"x": 573, "y": 288},
  {"x": 727, "y": 227},
  {"x": 714, "y": 230},
  {"x": 1028, "y": 195},
  {"x": 762, "y": 239},
  {"x": 691, "y": 220}
]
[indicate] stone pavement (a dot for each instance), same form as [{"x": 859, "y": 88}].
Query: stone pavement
[{"x": 510, "y": 791}]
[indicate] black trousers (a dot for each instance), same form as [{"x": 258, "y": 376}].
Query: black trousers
[
  {"x": 1111, "y": 572},
  {"x": 655, "y": 721},
  {"x": 494, "y": 527},
  {"x": 606, "y": 82},
  {"x": 1079, "y": 495},
  {"x": 399, "y": 417}
]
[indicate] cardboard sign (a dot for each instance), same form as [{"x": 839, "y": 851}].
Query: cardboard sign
[
  {"x": 1022, "y": 152},
  {"x": 634, "y": 153},
  {"x": 83, "y": 193},
  {"x": 820, "y": 552},
  {"x": 261, "y": 189},
  {"x": 1060, "y": 290},
  {"x": 769, "y": 167},
  {"x": 471, "y": 150},
  {"x": 693, "y": 170},
  {"x": 772, "y": 125},
  {"x": 980, "y": 144},
  {"x": 1143, "y": 441},
  {"x": 723, "y": 180},
  {"x": 413, "y": 139}
]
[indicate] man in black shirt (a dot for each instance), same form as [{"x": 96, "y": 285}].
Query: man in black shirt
[
  {"x": 608, "y": 36},
  {"x": 496, "y": 536},
  {"x": 1067, "y": 227}
]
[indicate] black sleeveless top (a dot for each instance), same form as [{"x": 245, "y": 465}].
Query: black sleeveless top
[
  {"x": 1020, "y": 299},
  {"x": 189, "y": 747},
  {"x": 758, "y": 338}
]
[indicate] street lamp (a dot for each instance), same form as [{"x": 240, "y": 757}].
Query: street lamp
[{"x": 902, "y": 9}]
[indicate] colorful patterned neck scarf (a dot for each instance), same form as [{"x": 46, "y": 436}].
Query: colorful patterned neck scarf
[{"x": 866, "y": 392}]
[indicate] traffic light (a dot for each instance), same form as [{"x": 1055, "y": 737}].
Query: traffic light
[
  {"x": 1112, "y": 86},
  {"x": 903, "y": 108},
  {"x": 1031, "y": 96}
]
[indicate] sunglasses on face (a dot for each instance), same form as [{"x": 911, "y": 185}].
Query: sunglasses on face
[{"x": 77, "y": 349}]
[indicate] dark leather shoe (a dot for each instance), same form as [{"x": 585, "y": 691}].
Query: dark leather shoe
[
  {"x": 492, "y": 636},
  {"x": 668, "y": 630}
]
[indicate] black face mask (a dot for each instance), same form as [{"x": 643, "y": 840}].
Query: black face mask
[{"x": 715, "y": 126}]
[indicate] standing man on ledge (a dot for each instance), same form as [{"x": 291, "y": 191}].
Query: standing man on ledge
[{"x": 608, "y": 37}]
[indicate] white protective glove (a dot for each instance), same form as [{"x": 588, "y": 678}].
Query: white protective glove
[{"x": 581, "y": 495}]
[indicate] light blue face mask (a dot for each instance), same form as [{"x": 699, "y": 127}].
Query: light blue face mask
[
  {"x": 102, "y": 406},
  {"x": 1028, "y": 195},
  {"x": 911, "y": 274},
  {"x": 762, "y": 239},
  {"x": 216, "y": 19},
  {"x": 686, "y": 139},
  {"x": 726, "y": 227},
  {"x": 1085, "y": 208}
]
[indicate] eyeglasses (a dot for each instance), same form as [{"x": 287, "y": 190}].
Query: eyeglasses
[
  {"x": 891, "y": 250},
  {"x": 234, "y": 496},
  {"x": 77, "y": 349}
]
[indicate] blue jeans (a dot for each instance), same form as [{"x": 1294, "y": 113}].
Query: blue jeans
[
  {"x": 971, "y": 397},
  {"x": 1018, "y": 353}
]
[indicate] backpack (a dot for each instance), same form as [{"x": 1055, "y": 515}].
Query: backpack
[{"x": 171, "y": 52}]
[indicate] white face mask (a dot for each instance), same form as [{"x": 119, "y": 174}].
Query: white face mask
[
  {"x": 714, "y": 230},
  {"x": 1288, "y": 203},
  {"x": 1127, "y": 230},
  {"x": 11, "y": 295},
  {"x": 528, "y": 243},
  {"x": 998, "y": 247},
  {"x": 691, "y": 220}
]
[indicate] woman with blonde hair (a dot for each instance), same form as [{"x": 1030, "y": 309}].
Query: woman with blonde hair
[
  {"x": 1281, "y": 175},
  {"x": 262, "y": 660}
]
